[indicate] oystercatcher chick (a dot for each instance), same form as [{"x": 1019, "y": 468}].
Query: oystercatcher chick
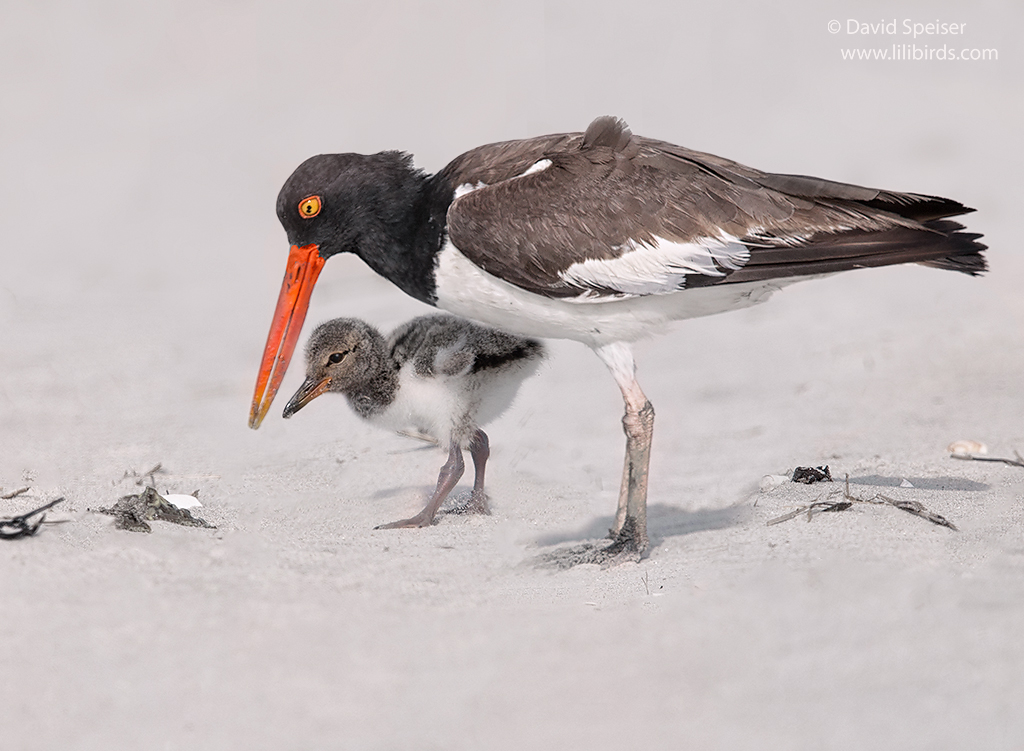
[
  {"x": 436, "y": 375},
  {"x": 603, "y": 237}
]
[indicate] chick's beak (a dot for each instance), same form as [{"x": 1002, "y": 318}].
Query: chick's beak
[{"x": 310, "y": 389}]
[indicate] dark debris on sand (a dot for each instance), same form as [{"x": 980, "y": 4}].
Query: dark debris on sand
[
  {"x": 133, "y": 512},
  {"x": 19, "y": 526},
  {"x": 810, "y": 475}
]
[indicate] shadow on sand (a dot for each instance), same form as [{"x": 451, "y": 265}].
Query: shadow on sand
[
  {"x": 663, "y": 522},
  {"x": 958, "y": 484}
]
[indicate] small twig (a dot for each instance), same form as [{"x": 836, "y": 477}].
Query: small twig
[
  {"x": 152, "y": 481},
  {"x": 787, "y": 517},
  {"x": 854, "y": 499},
  {"x": 1018, "y": 462},
  {"x": 644, "y": 580},
  {"x": 824, "y": 508},
  {"x": 140, "y": 478},
  {"x": 918, "y": 509},
  {"x": 817, "y": 507},
  {"x": 15, "y": 493}
]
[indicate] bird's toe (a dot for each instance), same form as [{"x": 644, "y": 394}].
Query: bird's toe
[{"x": 414, "y": 522}]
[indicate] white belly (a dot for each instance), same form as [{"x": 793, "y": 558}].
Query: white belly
[
  {"x": 421, "y": 405},
  {"x": 450, "y": 408},
  {"x": 465, "y": 289}
]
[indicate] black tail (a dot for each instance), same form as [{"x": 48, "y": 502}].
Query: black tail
[
  {"x": 939, "y": 243},
  {"x": 963, "y": 251}
]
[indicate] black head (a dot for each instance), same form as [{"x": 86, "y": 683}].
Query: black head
[
  {"x": 339, "y": 202},
  {"x": 379, "y": 207}
]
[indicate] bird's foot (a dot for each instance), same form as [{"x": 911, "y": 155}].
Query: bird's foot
[
  {"x": 628, "y": 546},
  {"x": 476, "y": 502},
  {"x": 420, "y": 520}
]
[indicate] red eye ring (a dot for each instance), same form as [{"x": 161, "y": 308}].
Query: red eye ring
[{"x": 310, "y": 207}]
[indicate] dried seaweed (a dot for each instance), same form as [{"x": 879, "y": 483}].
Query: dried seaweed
[
  {"x": 133, "y": 512},
  {"x": 20, "y": 526},
  {"x": 822, "y": 504}
]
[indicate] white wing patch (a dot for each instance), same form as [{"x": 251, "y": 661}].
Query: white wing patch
[
  {"x": 467, "y": 290},
  {"x": 468, "y": 188},
  {"x": 657, "y": 269},
  {"x": 465, "y": 188},
  {"x": 540, "y": 166}
]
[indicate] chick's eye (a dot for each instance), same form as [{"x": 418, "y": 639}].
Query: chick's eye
[
  {"x": 337, "y": 357},
  {"x": 309, "y": 207}
]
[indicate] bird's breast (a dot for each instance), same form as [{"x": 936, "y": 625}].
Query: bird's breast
[{"x": 427, "y": 405}]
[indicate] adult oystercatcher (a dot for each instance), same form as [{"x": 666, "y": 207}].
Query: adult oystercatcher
[
  {"x": 436, "y": 375},
  {"x": 602, "y": 237}
]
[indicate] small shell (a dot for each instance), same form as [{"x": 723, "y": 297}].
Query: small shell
[
  {"x": 183, "y": 501},
  {"x": 967, "y": 448},
  {"x": 770, "y": 482}
]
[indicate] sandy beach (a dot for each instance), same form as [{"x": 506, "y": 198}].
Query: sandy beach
[{"x": 142, "y": 152}]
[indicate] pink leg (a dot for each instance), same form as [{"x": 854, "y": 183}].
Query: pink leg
[
  {"x": 480, "y": 450},
  {"x": 448, "y": 478},
  {"x": 630, "y": 531}
]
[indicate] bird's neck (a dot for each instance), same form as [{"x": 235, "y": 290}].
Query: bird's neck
[
  {"x": 375, "y": 396},
  {"x": 407, "y": 236}
]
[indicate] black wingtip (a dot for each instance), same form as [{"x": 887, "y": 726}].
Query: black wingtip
[
  {"x": 917, "y": 206},
  {"x": 964, "y": 253},
  {"x": 968, "y": 261}
]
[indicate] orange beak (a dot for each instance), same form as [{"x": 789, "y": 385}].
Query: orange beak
[{"x": 304, "y": 265}]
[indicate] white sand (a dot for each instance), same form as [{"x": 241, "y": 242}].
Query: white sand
[{"x": 140, "y": 157}]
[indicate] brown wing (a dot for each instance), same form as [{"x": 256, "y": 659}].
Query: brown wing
[
  {"x": 614, "y": 214},
  {"x": 498, "y": 162}
]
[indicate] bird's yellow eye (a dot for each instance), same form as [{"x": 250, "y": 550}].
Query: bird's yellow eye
[{"x": 309, "y": 207}]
